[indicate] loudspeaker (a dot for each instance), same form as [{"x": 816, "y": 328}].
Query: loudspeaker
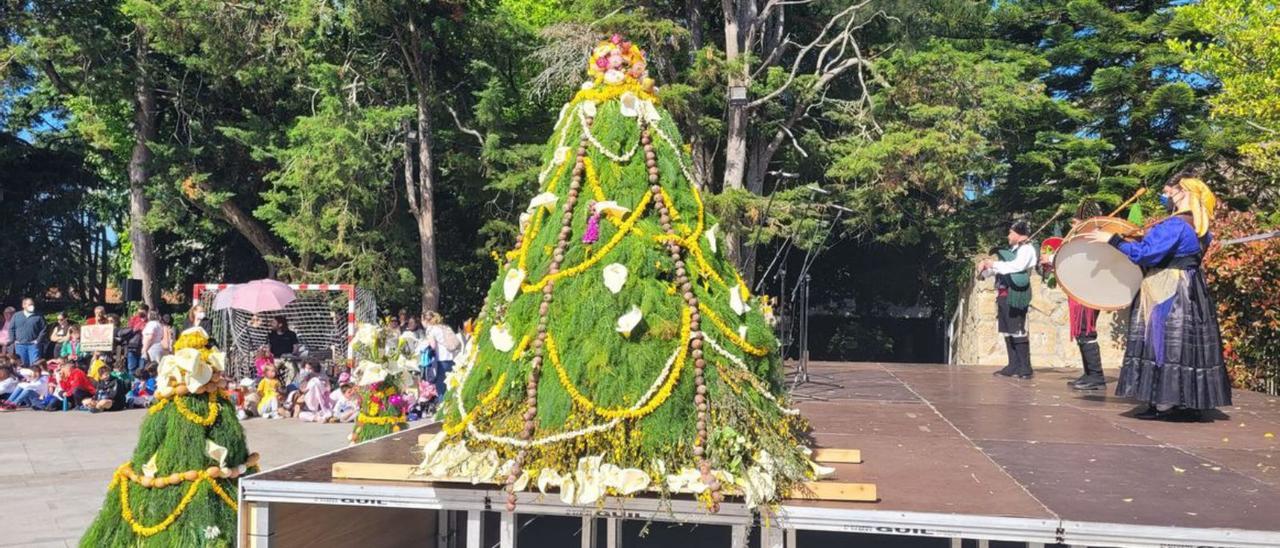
[{"x": 132, "y": 290}]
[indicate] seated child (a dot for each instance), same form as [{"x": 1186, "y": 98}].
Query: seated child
[
  {"x": 316, "y": 403},
  {"x": 8, "y": 381},
  {"x": 425, "y": 404},
  {"x": 242, "y": 395},
  {"x": 263, "y": 359},
  {"x": 268, "y": 398},
  {"x": 142, "y": 390},
  {"x": 96, "y": 364},
  {"x": 73, "y": 387},
  {"x": 33, "y": 388},
  {"x": 109, "y": 393},
  {"x": 346, "y": 403}
]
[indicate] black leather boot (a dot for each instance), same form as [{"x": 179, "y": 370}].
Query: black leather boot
[
  {"x": 1091, "y": 356},
  {"x": 1011, "y": 369},
  {"x": 1022, "y": 349}
]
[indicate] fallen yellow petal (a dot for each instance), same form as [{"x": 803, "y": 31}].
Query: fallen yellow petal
[
  {"x": 1269, "y": 435},
  {"x": 1178, "y": 470}
]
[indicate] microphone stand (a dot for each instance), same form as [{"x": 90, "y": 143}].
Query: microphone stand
[{"x": 802, "y": 376}]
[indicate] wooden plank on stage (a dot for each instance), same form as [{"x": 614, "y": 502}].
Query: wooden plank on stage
[
  {"x": 839, "y": 456},
  {"x": 816, "y": 490},
  {"x": 822, "y": 454},
  {"x": 837, "y": 491}
]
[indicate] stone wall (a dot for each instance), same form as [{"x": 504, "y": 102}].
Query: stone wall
[{"x": 976, "y": 341}]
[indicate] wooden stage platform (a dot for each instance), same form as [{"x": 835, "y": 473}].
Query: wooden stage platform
[{"x": 955, "y": 453}]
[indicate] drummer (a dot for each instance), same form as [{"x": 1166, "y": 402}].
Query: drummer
[
  {"x": 1013, "y": 296},
  {"x": 1173, "y": 350},
  {"x": 1083, "y": 320}
]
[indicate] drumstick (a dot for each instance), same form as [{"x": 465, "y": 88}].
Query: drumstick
[
  {"x": 1131, "y": 199},
  {"x": 1056, "y": 214}
]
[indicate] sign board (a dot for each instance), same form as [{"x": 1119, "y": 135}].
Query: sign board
[{"x": 97, "y": 338}]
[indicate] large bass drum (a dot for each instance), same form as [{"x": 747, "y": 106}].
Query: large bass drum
[{"x": 1095, "y": 274}]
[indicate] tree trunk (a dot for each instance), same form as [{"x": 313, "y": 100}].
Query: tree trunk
[
  {"x": 247, "y": 225},
  {"x": 421, "y": 199},
  {"x": 144, "y": 131}
]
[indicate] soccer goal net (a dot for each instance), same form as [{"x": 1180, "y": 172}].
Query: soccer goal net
[{"x": 324, "y": 316}]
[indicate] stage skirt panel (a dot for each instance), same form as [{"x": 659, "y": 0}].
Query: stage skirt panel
[{"x": 1173, "y": 351}]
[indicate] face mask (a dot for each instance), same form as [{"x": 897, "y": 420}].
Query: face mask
[
  {"x": 199, "y": 316},
  {"x": 31, "y": 308},
  {"x": 1166, "y": 202}
]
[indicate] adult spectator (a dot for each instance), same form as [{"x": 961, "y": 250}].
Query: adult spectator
[
  {"x": 6, "y": 342},
  {"x": 412, "y": 326},
  {"x": 131, "y": 340},
  {"x": 99, "y": 316},
  {"x": 168, "y": 335},
  {"x": 58, "y": 335},
  {"x": 153, "y": 337},
  {"x": 445, "y": 343},
  {"x": 139, "y": 318},
  {"x": 197, "y": 317},
  {"x": 281, "y": 340},
  {"x": 25, "y": 332}
]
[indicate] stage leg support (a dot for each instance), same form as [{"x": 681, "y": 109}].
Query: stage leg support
[
  {"x": 475, "y": 529},
  {"x": 613, "y": 532},
  {"x": 588, "y": 531},
  {"x": 740, "y": 533},
  {"x": 508, "y": 529},
  {"x": 774, "y": 537},
  {"x": 258, "y": 529}
]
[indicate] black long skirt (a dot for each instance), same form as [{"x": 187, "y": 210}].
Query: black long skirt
[{"x": 1186, "y": 367}]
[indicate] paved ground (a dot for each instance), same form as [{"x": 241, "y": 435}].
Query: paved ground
[{"x": 54, "y": 467}]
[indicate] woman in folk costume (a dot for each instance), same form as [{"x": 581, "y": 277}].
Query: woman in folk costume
[
  {"x": 1013, "y": 296},
  {"x": 1173, "y": 351}
]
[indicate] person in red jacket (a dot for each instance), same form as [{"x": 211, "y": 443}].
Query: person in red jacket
[{"x": 76, "y": 386}]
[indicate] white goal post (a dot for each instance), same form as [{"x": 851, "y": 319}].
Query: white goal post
[{"x": 324, "y": 316}]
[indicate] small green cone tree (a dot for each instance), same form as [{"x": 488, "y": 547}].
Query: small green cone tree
[
  {"x": 179, "y": 489},
  {"x": 619, "y": 351}
]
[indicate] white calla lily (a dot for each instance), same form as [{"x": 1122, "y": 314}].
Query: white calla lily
[
  {"x": 524, "y": 220},
  {"x": 628, "y": 322},
  {"x": 610, "y": 207},
  {"x": 548, "y": 478},
  {"x": 542, "y": 200},
  {"x": 736, "y": 303},
  {"x": 511, "y": 283},
  {"x": 628, "y": 105},
  {"x": 216, "y": 452},
  {"x": 366, "y": 335},
  {"x": 590, "y": 488},
  {"x": 650, "y": 112},
  {"x": 561, "y": 155},
  {"x": 614, "y": 77},
  {"x": 522, "y": 482},
  {"x": 711, "y": 237},
  {"x": 568, "y": 490},
  {"x": 742, "y": 331},
  {"x": 633, "y": 480},
  {"x": 586, "y": 85},
  {"x": 217, "y": 360},
  {"x": 371, "y": 373},
  {"x": 588, "y": 108},
  {"x": 149, "y": 469},
  {"x": 615, "y": 276},
  {"x": 501, "y": 338}
]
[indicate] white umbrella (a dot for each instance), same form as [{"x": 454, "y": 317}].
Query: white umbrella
[{"x": 223, "y": 299}]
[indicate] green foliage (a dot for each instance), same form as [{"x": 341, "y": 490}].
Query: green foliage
[
  {"x": 1246, "y": 286},
  {"x": 178, "y": 446}
]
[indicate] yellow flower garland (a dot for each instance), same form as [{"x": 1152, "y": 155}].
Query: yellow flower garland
[
  {"x": 381, "y": 421},
  {"x": 186, "y": 411},
  {"x": 535, "y": 222},
  {"x": 601, "y": 94},
  {"x": 733, "y": 337},
  {"x": 484, "y": 402},
  {"x": 150, "y": 530},
  {"x": 600, "y": 254},
  {"x": 694, "y": 249},
  {"x": 648, "y": 407}
]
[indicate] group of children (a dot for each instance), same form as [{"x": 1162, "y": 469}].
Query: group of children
[
  {"x": 311, "y": 397},
  {"x": 65, "y": 384}
]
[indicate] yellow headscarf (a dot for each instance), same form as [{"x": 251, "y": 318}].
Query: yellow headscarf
[{"x": 1200, "y": 205}]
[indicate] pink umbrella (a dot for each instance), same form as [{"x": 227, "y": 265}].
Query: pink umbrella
[
  {"x": 223, "y": 300},
  {"x": 262, "y": 296}
]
